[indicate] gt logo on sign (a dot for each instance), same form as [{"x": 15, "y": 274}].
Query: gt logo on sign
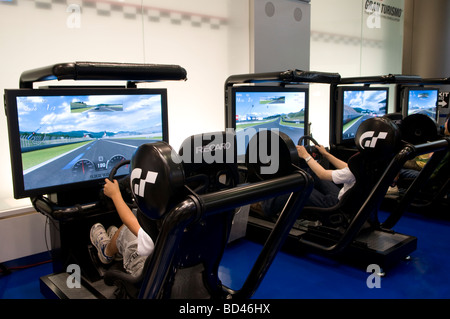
[{"x": 139, "y": 188}]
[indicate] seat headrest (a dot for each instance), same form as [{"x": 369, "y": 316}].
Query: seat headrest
[
  {"x": 213, "y": 156},
  {"x": 397, "y": 118},
  {"x": 418, "y": 129},
  {"x": 269, "y": 154},
  {"x": 156, "y": 178},
  {"x": 208, "y": 148},
  {"x": 378, "y": 137}
]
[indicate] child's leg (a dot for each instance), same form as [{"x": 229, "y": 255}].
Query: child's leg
[
  {"x": 127, "y": 244},
  {"x": 111, "y": 249}
]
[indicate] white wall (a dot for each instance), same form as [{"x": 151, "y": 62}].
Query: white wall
[
  {"x": 210, "y": 41},
  {"x": 23, "y": 235}
]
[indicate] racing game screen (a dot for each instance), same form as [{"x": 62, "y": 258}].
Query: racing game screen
[
  {"x": 75, "y": 138},
  {"x": 360, "y": 105},
  {"x": 423, "y": 101},
  {"x": 262, "y": 108}
]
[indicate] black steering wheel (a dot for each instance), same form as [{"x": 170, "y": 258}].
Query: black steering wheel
[
  {"x": 315, "y": 154},
  {"x": 124, "y": 183},
  {"x": 116, "y": 168}
]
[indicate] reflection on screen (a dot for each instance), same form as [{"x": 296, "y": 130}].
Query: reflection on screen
[
  {"x": 283, "y": 110},
  {"x": 360, "y": 105},
  {"x": 67, "y": 139},
  {"x": 423, "y": 101}
]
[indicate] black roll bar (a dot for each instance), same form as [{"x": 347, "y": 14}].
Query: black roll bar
[
  {"x": 196, "y": 206},
  {"x": 132, "y": 72},
  {"x": 165, "y": 246},
  {"x": 383, "y": 79},
  {"x": 286, "y": 77},
  {"x": 439, "y": 149},
  {"x": 444, "y": 81}
]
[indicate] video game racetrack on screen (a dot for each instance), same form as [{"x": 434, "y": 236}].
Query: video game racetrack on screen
[
  {"x": 360, "y": 105},
  {"x": 263, "y": 108},
  {"x": 74, "y": 138}
]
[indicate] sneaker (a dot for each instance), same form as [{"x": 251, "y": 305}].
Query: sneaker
[
  {"x": 111, "y": 231},
  {"x": 392, "y": 190},
  {"x": 100, "y": 239}
]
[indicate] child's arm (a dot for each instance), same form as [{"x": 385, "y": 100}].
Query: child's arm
[
  {"x": 112, "y": 190},
  {"x": 336, "y": 162},
  {"x": 322, "y": 173}
]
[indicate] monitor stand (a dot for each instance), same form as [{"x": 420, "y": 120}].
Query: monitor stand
[{"x": 78, "y": 197}]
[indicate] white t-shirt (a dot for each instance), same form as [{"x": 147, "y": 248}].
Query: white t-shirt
[
  {"x": 343, "y": 176},
  {"x": 145, "y": 243}
]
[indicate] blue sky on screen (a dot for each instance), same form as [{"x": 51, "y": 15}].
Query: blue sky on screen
[
  {"x": 369, "y": 100},
  {"x": 255, "y": 103},
  {"x": 47, "y": 114}
]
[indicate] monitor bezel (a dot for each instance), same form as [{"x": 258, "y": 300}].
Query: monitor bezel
[
  {"x": 404, "y": 98},
  {"x": 339, "y": 120},
  {"x": 11, "y": 111},
  {"x": 231, "y": 116}
]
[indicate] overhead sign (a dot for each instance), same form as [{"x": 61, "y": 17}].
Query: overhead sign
[{"x": 377, "y": 10}]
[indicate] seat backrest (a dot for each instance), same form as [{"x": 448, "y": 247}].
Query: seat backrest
[
  {"x": 205, "y": 163},
  {"x": 270, "y": 154},
  {"x": 378, "y": 140},
  {"x": 209, "y": 161},
  {"x": 418, "y": 129}
]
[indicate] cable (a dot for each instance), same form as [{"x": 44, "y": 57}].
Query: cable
[{"x": 4, "y": 270}]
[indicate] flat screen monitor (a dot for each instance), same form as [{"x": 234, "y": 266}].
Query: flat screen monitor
[
  {"x": 354, "y": 106},
  {"x": 422, "y": 100},
  {"x": 256, "y": 108},
  {"x": 68, "y": 139}
]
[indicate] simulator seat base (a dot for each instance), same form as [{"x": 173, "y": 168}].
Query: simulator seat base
[{"x": 383, "y": 248}]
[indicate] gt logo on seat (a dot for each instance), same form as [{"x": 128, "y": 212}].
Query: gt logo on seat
[
  {"x": 371, "y": 141},
  {"x": 139, "y": 188}
]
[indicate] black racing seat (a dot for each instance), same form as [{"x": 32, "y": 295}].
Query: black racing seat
[
  {"x": 188, "y": 210},
  {"x": 205, "y": 163},
  {"x": 377, "y": 140}
]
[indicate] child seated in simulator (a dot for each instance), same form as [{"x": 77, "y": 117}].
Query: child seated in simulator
[
  {"x": 326, "y": 193},
  {"x": 130, "y": 240},
  {"x": 413, "y": 167}
]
